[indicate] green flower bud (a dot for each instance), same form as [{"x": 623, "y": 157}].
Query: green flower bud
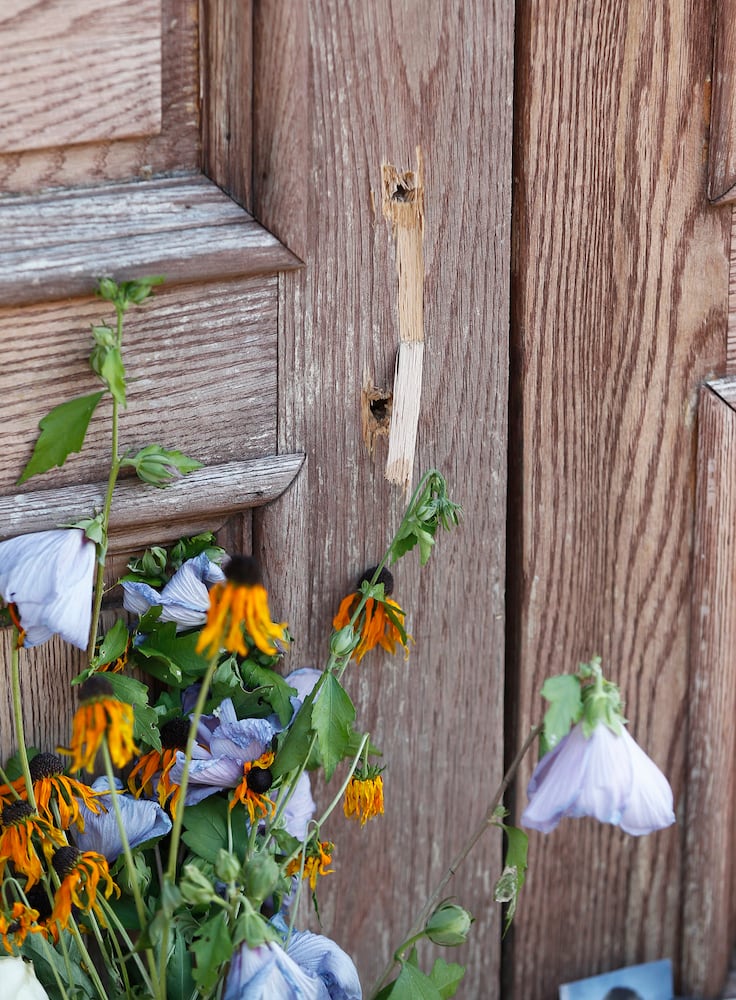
[
  {"x": 344, "y": 641},
  {"x": 261, "y": 877},
  {"x": 107, "y": 289},
  {"x": 157, "y": 466},
  {"x": 196, "y": 888},
  {"x": 227, "y": 866},
  {"x": 449, "y": 925}
]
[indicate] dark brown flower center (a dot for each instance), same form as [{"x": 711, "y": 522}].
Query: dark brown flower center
[
  {"x": 385, "y": 577},
  {"x": 16, "y": 813},
  {"x": 174, "y": 734},
  {"x": 243, "y": 571},
  {"x": 96, "y": 687},
  {"x": 65, "y": 860},
  {"x": 259, "y": 779},
  {"x": 46, "y": 765}
]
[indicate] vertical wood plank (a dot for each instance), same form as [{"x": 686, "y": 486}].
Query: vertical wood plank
[
  {"x": 226, "y": 82},
  {"x": 708, "y": 917},
  {"x": 614, "y": 327},
  {"x": 340, "y": 89},
  {"x": 722, "y": 145}
]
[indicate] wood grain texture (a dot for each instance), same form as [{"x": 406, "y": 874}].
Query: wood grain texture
[
  {"x": 722, "y": 144},
  {"x": 144, "y": 515},
  {"x": 174, "y": 147},
  {"x": 202, "y": 377},
  {"x": 709, "y": 868},
  {"x": 226, "y": 46},
  {"x": 60, "y": 244},
  {"x": 619, "y": 310},
  {"x": 56, "y": 88},
  {"x": 341, "y": 88},
  {"x": 731, "y": 337}
]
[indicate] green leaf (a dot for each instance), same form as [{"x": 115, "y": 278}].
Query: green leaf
[
  {"x": 113, "y": 644},
  {"x": 62, "y": 432},
  {"x": 112, "y": 372},
  {"x": 509, "y": 884},
  {"x": 447, "y": 976},
  {"x": 298, "y": 740},
  {"x": 271, "y": 686},
  {"x": 179, "y": 979},
  {"x": 212, "y": 948},
  {"x": 332, "y": 718},
  {"x": 206, "y": 829},
  {"x": 178, "y": 653},
  {"x": 127, "y": 689},
  {"x": 411, "y": 984},
  {"x": 566, "y": 707}
]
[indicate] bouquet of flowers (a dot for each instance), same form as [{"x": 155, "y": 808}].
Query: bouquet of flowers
[{"x": 163, "y": 853}]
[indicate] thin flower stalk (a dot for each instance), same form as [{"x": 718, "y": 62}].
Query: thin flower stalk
[{"x": 18, "y": 719}]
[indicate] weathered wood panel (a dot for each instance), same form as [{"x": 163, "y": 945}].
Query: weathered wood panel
[
  {"x": 203, "y": 367},
  {"x": 340, "y": 89},
  {"x": 59, "y": 245},
  {"x": 620, "y": 296},
  {"x": 174, "y": 147},
  {"x": 56, "y": 87},
  {"x": 722, "y": 146},
  {"x": 709, "y": 869}
]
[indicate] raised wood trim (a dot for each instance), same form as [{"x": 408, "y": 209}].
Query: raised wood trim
[
  {"x": 707, "y": 891},
  {"x": 722, "y": 145},
  {"x": 184, "y": 228},
  {"x": 143, "y": 514}
]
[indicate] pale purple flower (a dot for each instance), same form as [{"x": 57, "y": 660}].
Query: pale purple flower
[
  {"x": 49, "y": 576},
  {"x": 605, "y": 775},
  {"x": 312, "y": 968},
  {"x": 185, "y": 598},
  {"x": 143, "y": 820}
]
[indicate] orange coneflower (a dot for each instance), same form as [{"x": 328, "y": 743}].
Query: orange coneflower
[
  {"x": 319, "y": 855},
  {"x": 364, "y": 795},
  {"x": 50, "y": 784},
  {"x": 257, "y": 779},
  {"x": 240, "y": 601},
  {"x": 100, "y": 716},
  {"x": 158, "y": 763},
  {"x": 22, "y": 921},
  {"x": 381, "y": 623},
  {"x": 19, "y": 824},
  {"x": 81, "y": 873}
]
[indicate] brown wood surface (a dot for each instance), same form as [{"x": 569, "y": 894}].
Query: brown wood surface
[
  {"x": 339, "y": 90},
  {"x": 56, "y": 87},
  {"x": 722, "y": 145},
  {"x": 709, "y": 869},
  {"x": 203, "y": 369},
  {"x": 185, "y": 228},
  {"x": 620, "y": 298},
  {"x": 174, "y": 147}
]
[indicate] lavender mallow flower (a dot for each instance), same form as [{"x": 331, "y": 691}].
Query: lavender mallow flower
[
  {"x": 605, "y": 775},
  {"x": 49, "y": 575},
  {"x": 312, "y": 968},
  {"x": 143, "y": 820},
  {"x": 185, "y": 598}
]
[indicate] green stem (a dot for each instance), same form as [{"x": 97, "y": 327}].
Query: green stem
[
  {"x": 99, "y": 587},
  {"x": 18, "y": 719},
  {"x": 128, "y": 854},
  {"x": 113, "y": 921},
  {"x": 489, "y": 820}
]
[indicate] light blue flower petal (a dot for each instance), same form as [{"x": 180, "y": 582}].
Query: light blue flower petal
[
  {"x": 649, "y": 805},
  {"x": 321, "y": 957},
  {"x": 608, "y": 777},
  {"x": 49, "y": 576},
  {"x": 219, "y": 772},
  {"x": 300, "y": 808},
  {"x": 184, "y": 599},
  {"x": 556, "y": 783},
  {"x": 304, "y": 680},
  {"x": 268, "y": 973},
  {"x": 138, "y": 598},
  {"x": 245, "y": 739},
  {"x": 143, "y": 820}
]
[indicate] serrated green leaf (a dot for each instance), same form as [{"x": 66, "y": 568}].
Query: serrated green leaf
[
  {"x": 298, "y": 740},
  {"x": 272, "y": 688},
  {"x": 566, "y": 707},
  {"x": 182, "y": 663},
  {"x": 113, "y": 644},
  {"x": 206, "y": 829},
  {"x": 212, "y": 948},
  {"x": 411, "y": 984},
  {"x": 447, "y": 976},
  {"x": 63, "y": 430},
  {"x": 332, "y": 718}
]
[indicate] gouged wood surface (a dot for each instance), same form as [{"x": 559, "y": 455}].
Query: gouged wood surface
[
  {"x": 143, "y": 515},
  {"x": 175, "y": 147},
  {"x": 722, "y": 145},
  {"x": 709, "y": 869},
  {"x": 56, "y": 84},
  {"x": 340, "y": 89},
  {"x": 59, "y": 245},
  {"x": 202, "y": 365},
  {"x": 226, "y": 40},
  {"x": 619, "y": 310},
  {"x": 731, "y": 336}
]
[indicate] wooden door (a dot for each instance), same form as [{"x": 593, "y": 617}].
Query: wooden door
[{"x": 303, "y": 104}]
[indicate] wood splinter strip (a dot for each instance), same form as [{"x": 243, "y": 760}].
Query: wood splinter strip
[{"x": 403, "y": 207}]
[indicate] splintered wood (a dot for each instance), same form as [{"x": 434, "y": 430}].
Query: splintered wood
[{"x": 403, "y": 207}]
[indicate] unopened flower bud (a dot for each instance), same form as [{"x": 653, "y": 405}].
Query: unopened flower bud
[
  {"x": 195, "y": 887},
  {"x": 448, "y": 925},
  {"x": 227, "y": 866},
  {"x": 344, "y": 641},
  {"x": 261, "y": 877}
]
